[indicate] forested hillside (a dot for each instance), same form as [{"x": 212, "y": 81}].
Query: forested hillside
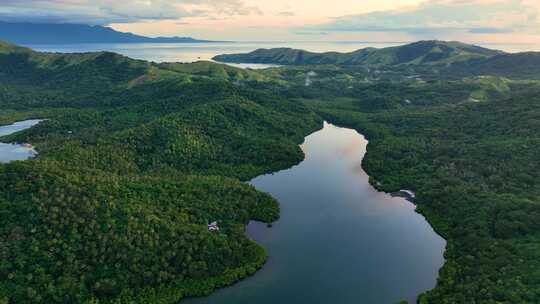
[
  {"x": 422, "y": 52},
  {"x": 135, "y": 161}
]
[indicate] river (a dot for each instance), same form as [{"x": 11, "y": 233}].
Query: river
[
  {"x": 11, "y": 152},
  {"x": 338, "y": 240}
]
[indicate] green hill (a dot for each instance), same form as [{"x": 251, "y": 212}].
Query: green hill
[
  {"x": 423, "y": 52},
  {"x": 520, "y": 65},
  {"x": 433, "y": 59}
]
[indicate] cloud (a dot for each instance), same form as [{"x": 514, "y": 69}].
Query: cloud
[
  {"x": 286, "y": 14},
  {"x": 444, "y": 16},
  {"x": 311, "y": 33},
  {"x": 490, "y": 30},
  {"x": 114, "y": 11}
]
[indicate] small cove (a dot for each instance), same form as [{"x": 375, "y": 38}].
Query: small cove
[{"x": 10, "y": 151}]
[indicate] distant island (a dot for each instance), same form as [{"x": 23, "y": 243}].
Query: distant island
[{"x": 48, "y": 33}]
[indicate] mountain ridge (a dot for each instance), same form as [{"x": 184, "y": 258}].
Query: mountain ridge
[
  {"x": 65, "y": 33},
  {"x": 440, "y": 58},
  {"x": 421, "y": 52}
]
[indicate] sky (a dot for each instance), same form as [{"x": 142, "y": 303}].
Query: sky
[{"x": 488, "y": 21}]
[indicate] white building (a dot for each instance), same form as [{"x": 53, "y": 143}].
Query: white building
[{"x": 213, "y": 226}]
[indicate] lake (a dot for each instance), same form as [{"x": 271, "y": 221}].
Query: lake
[
  {"x": 11, "y": 152},
  {"x": 338, "y": 239}
]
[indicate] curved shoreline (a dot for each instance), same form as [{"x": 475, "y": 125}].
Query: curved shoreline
[
  {"x": 259, "y": 232},
  {"x": 17, "y": 151}
]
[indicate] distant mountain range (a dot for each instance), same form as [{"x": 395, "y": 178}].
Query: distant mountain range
[
  {"x": 448, "y": 57},
  {"x": 34, "y": 33}
]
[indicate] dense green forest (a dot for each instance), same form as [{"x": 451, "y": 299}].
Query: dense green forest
[{"x": 136, "y": 159}]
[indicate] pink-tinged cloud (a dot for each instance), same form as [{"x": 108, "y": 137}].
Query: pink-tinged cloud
[
  {"x": 445, "y": 16},
  {"x": 373, "y": 20},
  {"x": 114, "y": 11}
]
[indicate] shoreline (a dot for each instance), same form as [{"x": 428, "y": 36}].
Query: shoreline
[
  {"x": 406, "y": 194},
  {"x": 18, "y": 148}
]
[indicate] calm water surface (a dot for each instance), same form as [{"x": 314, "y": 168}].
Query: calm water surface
[
  {"x": 338, "y": 240},
  {"x": 11, "y": 152}
]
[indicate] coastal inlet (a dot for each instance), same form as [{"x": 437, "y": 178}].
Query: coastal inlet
[
  {"x": 338, "y": 239},
  {"x": 11, "y": 152}
]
